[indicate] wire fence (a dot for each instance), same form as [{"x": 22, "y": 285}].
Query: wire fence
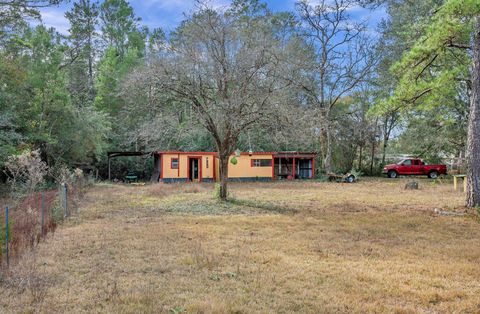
[{"x": 24, "y": 223}]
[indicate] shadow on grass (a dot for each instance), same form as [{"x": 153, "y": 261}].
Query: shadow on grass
[{"x": 263, "y": 206}]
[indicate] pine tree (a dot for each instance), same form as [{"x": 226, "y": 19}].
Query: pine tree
[
  {"x": 83, "y": 19},
  {"x": 120, "y": 26},
  {"x": 437, "y": 64}
]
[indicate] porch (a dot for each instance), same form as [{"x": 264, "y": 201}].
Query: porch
[{"x": 293, "y": 165}]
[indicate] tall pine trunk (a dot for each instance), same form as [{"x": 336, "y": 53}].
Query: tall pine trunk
[
  {"x": 473, "y": 139},
  {"x": 385, "y": 141},
  {"x": 384, "y": 151},
  {"x": 91, "y": 81},
  {"x": 360, "y": 156}
]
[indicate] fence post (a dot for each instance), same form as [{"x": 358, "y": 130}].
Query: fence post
[
  {"x": 65, "y": 200},
  {"x": 62, "y": 195},
  {"x": 6, "y": 235},
  {"x": 42, "y": 205}
]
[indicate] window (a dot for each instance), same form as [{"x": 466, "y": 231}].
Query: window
[
  {"x": 407, "y": 162},
  {"x": 261, "y": 162},
  {"x": 206, "y": 159},
  {"x": 174, "y": 164}
]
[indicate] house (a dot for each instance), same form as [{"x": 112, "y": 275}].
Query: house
[{"x": 176, "y": 166}]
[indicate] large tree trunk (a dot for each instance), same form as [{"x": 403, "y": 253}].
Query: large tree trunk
[
  {"x": 360, "y": 156},
  {"x": 223, "y": 172},
  {"x": 473, "y": 140},
  {"x": 327, "y": 162},
  {"x": 372, "y": 158},
  {"x": 385, "y": 141},
  {"x": 91, "y": 81},
  {"x": 384, "y": 151},
  {"x": 326, "y": 144}
]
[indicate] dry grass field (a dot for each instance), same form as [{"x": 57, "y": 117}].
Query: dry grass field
[{"x": 306, "y": 247}]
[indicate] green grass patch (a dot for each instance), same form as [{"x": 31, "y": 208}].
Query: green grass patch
[{"x": 261, "y": 205}]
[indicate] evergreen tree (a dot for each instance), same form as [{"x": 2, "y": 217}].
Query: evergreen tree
[
  {"x": 438, "y": 65},
  {"x": 83, "y": 19},
  {"x": 120, "y": 26}
]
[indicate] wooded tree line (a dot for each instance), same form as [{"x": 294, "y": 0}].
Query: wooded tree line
[{"x": 243, "y": 77}]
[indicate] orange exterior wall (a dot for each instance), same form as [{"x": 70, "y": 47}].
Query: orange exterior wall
[
  {"x": 182, "y": 172},
  {"x": 244, "y": 169}
]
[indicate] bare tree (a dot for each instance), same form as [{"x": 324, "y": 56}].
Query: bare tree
[
  {"x": 342, "y": 60},
  {"x": 223, "y": 66},
  {"x": 152, "y": 118},
  {"x": 389, "y": 123}
]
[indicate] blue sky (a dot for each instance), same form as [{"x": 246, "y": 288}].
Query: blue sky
[{"x": 167, "y": 14}]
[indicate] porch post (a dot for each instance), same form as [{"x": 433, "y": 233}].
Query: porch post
[
  {"x": 293, "y": 168},
  {"x": 273, "y": 168},
  {"x": 313, "y": 168}
]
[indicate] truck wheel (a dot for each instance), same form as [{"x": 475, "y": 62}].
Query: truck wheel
[
  {"x": 392, "y": 174},
  {"x": 433, "y": 175},
  {"x": 350, "y": 179}
]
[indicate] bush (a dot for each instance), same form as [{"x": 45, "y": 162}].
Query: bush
[{"x": 26, "y": 172}]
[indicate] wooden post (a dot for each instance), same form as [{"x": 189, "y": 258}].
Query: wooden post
[
  {"x": 109, "y": 173},
  {"x": 455, "y": 183},
  {"x": 293, "y": 168},
  {"x": 465, "y": 184},
  {"x": 42, "y": 206},
  {"x": 65, "y": 190},
  {"x": 6, "y": 235},
  {"x": 313, "y": 168}
]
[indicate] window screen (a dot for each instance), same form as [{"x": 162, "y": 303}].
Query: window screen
[
  {"x": 261, "y": 162},
  {"x": 174, "y": 164}
]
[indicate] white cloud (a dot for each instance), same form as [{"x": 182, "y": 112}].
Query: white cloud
[
  {"x": 181, "y": 6},
  {"x": 351, "y": 7},
  {"x": 169, "y": 13},
  {"x": 55, "y": 17}
]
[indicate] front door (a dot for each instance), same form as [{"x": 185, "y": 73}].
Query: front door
[{"x": 194, "y": 169}]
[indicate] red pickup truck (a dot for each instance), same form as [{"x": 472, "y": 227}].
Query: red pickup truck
[{"x": 414, "y": 166}]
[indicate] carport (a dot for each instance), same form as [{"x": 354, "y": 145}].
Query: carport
[{"x": 112, "y": 155}]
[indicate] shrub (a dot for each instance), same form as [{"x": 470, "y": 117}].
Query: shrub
[{"x": 26, "y": 172}]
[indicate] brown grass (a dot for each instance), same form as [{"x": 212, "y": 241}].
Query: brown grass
[
  {"x": 370, "y": 247},
  {"x": 26, "y": 231}
]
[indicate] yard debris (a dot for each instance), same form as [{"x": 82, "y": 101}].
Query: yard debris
[
  {"x": 447, "y": 213},
  {"x": 413, "y": 185},
  {"x": 348, "y": 177}
]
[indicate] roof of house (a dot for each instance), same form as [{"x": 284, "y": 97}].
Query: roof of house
[{"x": 282, "y": 154}]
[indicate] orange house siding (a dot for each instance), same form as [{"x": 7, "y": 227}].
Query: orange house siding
[
  {"x": 209, "y": 166},
  {"x": 206, "y": 163},
  {"x": 244, "y": 169}
]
